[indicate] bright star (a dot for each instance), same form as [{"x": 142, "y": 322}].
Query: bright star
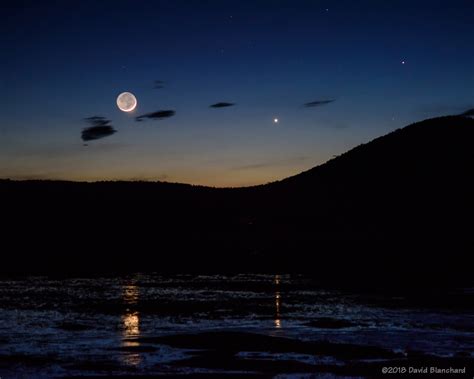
[{"x": 275, "y": 120}]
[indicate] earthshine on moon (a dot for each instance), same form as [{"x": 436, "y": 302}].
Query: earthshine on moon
[{"x": 126, "y": 101}]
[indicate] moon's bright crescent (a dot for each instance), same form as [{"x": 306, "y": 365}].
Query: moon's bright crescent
[{"x": 126, "y": 101}]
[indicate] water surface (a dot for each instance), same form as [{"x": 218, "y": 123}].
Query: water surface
[{"x": 109, "y": 325}]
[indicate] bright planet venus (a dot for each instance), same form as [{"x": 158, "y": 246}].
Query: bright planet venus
[{"x": 126, "y": 101}]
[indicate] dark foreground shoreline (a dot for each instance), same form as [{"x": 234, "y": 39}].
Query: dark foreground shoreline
[{"x": 238, "y": 354}]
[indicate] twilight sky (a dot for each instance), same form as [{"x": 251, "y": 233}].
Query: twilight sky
[{"x": 384, "y": 63}]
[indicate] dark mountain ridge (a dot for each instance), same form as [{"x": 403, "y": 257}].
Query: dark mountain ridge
[{"x": 393, "y": 207}]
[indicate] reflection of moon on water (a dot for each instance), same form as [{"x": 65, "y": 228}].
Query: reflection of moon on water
[
  {"x": 131, "y": 324},
  {"x": 130, "y": 294},
  {"x": 126, "y": 101},
  {"x": 131, "y": 331}
]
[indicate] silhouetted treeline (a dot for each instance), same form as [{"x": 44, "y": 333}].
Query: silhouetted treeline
[{"x": 398, "y": 208}]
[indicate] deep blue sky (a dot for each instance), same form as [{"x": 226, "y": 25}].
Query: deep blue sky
[{"x": 64, "y": 61}]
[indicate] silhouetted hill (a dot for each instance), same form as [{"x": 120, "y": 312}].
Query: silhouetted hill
[
  {"x": 399, "y": 206},
  {"x": 404, "y": 198},
  {"x": 426, "y": 149},
  {"x": 425, "y": 168}
]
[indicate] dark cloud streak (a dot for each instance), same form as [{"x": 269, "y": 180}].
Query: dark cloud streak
[
  {"x": 156, "y": 115},
  {"x": 100, "y": 128},
  {"x": 318, "y": 103},
  {"x": 221, "y": 105}
]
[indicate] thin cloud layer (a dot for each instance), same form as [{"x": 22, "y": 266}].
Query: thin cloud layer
[
  {"x": 221, "y": 105},
  {"x": 100, "y": 128},
  {"x": 156, "y": 115},
  {"x": 318, "y": 103}
]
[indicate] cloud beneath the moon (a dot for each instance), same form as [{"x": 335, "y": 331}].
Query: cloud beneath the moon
[
  {"x": 318, "y": 103},
  {"x": 97, "y": 132},
  {"x": 221, "y": 105},
  {"x": 100, "y": 128},
  {"x": 156, "y": 115}
]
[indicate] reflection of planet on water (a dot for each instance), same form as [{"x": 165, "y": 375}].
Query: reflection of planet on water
[{"x": 126, "y": 101}]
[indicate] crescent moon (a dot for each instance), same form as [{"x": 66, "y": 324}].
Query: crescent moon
[{"x": 126, "y": 101}]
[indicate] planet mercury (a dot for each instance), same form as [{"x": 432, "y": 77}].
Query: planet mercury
[{"x": 126, "y": 101}]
